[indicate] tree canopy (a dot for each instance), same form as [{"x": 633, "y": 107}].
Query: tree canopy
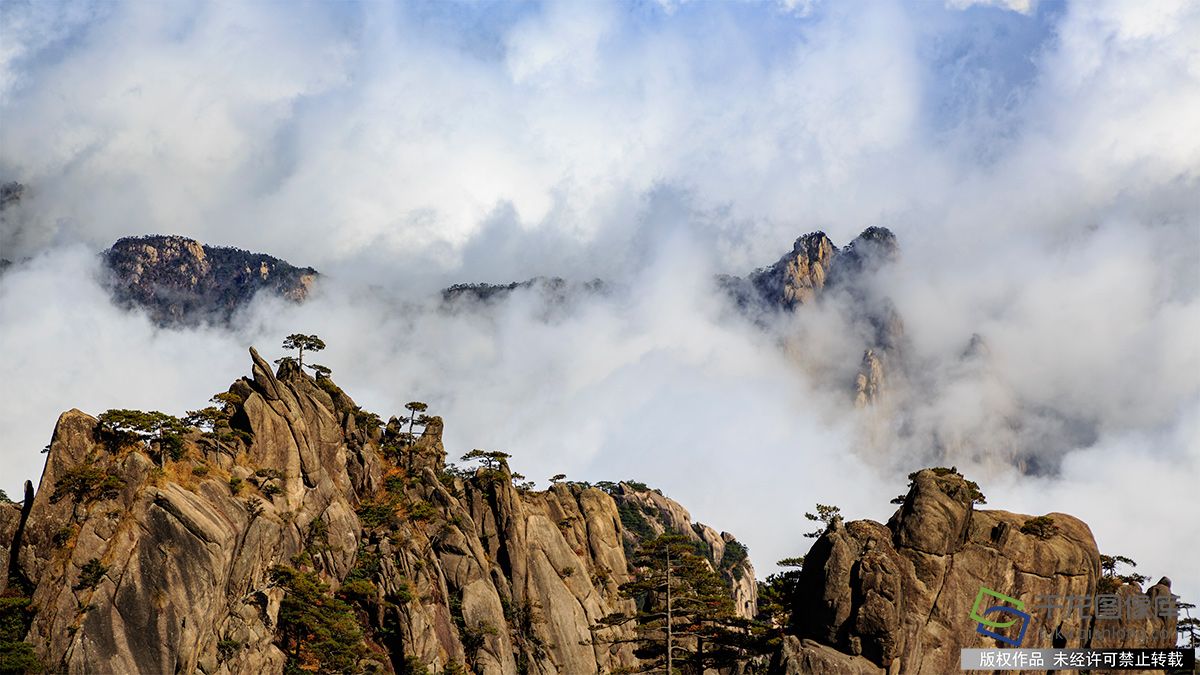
[{"x": 302, "y": 343}]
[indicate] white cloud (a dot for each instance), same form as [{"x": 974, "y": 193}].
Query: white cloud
[{"x": 1040, "y": 169}]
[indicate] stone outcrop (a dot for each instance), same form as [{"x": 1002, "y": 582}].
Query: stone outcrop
[
  {"x": 177, "y": 280},
  {"x": 143, "y": 560},
  {"x": 897, "y": 598}
]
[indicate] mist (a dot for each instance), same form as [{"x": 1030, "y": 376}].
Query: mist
[{"x": 1038, "y": 163}]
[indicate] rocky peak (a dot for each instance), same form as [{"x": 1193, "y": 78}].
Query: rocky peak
[
  {"x": 815, "y": 264},
  {"x": 797, "y": 278},
  {"x": 188, "y": 551},
  {"x": 869, "y": 251},
  {"x": 177, "y": 280}
]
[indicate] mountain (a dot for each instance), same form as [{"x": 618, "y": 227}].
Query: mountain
[
  {"x": 187, "y": 552},
  {"x": 816, "y": 270},
  {"x": 179, "y": 281}
]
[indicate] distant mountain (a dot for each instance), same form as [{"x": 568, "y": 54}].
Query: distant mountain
[
  {"x": 179, "y": 281},
  {"x": 816, "y": 269}
]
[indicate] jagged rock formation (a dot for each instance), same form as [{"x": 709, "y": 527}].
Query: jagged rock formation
[
  {"x": 796, "y": 278},
  {"x": 177, "y": 280},
  {"x": 142, "y": 559},
  {"x": 897, "y": 598},
  {"x": 816, "y": 268}
]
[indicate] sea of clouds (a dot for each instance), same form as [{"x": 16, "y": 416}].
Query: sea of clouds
[{"x": 1039, "y": 163}]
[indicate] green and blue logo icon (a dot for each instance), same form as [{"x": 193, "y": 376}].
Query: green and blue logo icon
[{"x": 990, "y": 627}]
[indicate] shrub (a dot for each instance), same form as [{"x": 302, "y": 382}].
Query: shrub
[
  {"x": 366, "y": 420},
  {"x": 358, "y": 589},
  {"x": 62, "y": 535},
  {"x": 271, "y": 489},
  {"x": 200, "y": 470},
  {"x": 566, "y": 571},
  {"x": 90, "y": 574},
  {"x": 972, "y": 488},
  {"x": 403, "y": 594},
  {"x": 735, "y": 553},
  {"x": 394, "y": 483},
  {"x": 16, "y": 655},
  {"x": 227, "y": 648},
  {"x": 376, "y": 514},
  {"x": 422, "y": 510},
  {"x": 826, "y": 514},
  {"x": 633, "y": 520},
  {"x": 235, "y": 484},
  {"x": 1042, "y": 527},
  {"x": 254, "y": 506},
  {"x": 85, "y": 483},
  {"x": 315, "y": 627}
]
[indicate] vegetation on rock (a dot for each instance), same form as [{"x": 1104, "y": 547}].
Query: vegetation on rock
[{"x": 685, "y": 616}]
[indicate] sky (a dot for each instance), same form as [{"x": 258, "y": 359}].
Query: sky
[{"x": 1039, "y": 163}]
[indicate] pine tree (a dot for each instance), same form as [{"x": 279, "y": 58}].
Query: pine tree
[
  {"x": 302, "y": 342},
  {"x": 685, "y": 620}
]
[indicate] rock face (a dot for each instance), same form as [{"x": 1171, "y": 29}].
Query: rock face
[
  {"x": 181, "y": 281},
  {"x": 897, "y": 598},
  {"x": 139, "y": 560}
]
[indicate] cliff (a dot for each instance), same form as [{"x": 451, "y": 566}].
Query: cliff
[
  {"x": 198, "y": 551},
  {"x": 177, "y": 280}
]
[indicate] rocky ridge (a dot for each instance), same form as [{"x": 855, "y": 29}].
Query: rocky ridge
[
  {"x": 179, "y": 281},
  {"x": 140, "y": 559}
]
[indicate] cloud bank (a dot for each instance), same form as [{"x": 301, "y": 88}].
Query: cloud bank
[{"x": 1039, "y": 166}]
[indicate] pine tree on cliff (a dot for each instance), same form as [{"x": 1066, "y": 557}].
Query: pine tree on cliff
[
  {"x": 302, "y": 342},
  {"x": 685, "y": 618}
]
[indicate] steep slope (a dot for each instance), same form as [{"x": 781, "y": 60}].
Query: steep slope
[
  {"x": 181, "y": 281},
  {"x": 199, "y": 551}
]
